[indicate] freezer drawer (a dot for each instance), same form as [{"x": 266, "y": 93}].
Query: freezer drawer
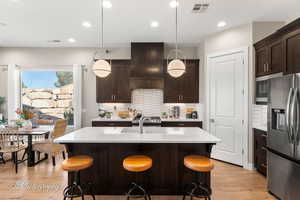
[{"x": 283, "y": 177}]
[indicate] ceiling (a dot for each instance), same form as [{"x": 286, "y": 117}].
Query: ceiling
[{"x": 35, "y": 22}]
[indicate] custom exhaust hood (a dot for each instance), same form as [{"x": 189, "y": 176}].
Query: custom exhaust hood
[{"x": 146, "y": 70}]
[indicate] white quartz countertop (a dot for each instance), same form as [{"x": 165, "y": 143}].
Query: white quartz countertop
[{"x": 132, "y": 135}]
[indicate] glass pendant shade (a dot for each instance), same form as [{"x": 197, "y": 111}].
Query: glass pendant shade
[
  {"x": 102, "y": 68},
  {"x": 176, "y": 68}
]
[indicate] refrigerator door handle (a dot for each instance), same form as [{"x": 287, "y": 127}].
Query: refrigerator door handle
[
  {"x": 297, "y": 112},
  {"x": 288, "y": 114}
]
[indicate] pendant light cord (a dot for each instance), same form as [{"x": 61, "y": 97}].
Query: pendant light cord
[
  {"x": 102, "y": 19},
  {"x": 176, "y": 21}
]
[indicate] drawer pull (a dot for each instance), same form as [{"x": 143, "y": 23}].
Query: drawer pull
[
  {"x": 264, "y": 135},
  {"x": 181, "y": 124},
  {"x": 111, "y": 124},
  {"x": 263, "y": 165}
]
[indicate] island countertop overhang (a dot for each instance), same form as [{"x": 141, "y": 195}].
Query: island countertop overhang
[{"x": 128, "y": 135}]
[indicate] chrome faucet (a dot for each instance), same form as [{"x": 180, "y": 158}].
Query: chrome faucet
[{"x": 141, "y": 123}]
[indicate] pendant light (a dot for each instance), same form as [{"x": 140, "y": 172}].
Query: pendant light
[
  {"x": 101, "y": 67},
  {"x": 177, "y": 66}
]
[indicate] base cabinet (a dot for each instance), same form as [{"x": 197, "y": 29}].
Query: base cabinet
[
  {"x": 260, "y": 151},
  {"x": 182, "y": 124},
  {"x": 111, "y": 124}
]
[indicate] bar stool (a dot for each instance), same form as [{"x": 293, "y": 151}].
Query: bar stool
[
  {"x": 137, "y": 164},
  {"x": 76, "y": 164},
  {"x": 198, "y": 164}
]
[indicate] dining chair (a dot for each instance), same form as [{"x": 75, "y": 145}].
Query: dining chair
[
  {"x": 11, "y": 142},
  {"x": 50, "y": 148},
  {"x": 38, "y": 138}
]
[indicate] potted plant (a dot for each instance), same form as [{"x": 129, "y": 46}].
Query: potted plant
[{"x": 25, "y": 117}]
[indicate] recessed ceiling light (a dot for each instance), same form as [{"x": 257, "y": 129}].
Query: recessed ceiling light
[
  {"x": 86, "y": 24},
  {"x": 107, "y": 4},
  {"x": 154, "y": 24},
  {"x": 71, "y": 40},
  {"x": 222, "y": 24},
  {"x": 174, "y": 4}
]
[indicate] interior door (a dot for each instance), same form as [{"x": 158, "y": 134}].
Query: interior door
[{"x": 226, "y": 106}]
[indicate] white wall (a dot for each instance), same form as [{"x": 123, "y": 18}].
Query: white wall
[
  {"x": 3, "y": 89},
  {"x": 233, "y": 38},
  {"x": 68, "y": 56}
]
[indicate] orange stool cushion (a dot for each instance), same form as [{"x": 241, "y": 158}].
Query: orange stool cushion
[
  {"x": 137, "y": 163},
  {"x": 198, "y": 163},
  {"x": 77, "y": 163}
]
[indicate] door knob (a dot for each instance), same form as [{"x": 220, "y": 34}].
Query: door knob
[{"x": 212, "y": 120}]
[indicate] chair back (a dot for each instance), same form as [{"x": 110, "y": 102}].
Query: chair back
[
  {"x": 44, "y": 122},
  {"x": 59, "y": 128},
  {"x": 9, "y": 137}
]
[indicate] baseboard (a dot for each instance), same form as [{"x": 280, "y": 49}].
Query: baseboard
[{"x": 249, "y": 166}]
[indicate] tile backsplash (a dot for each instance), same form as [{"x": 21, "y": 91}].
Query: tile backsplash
[
  {"x": 260, "y": 117},
  {"x": 150, "y": 103}
]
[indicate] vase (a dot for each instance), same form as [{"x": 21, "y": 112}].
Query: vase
[{"x": 27, "y": 125}]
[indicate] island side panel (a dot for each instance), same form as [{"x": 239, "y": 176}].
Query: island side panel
[{"x": 167, "y": 176}]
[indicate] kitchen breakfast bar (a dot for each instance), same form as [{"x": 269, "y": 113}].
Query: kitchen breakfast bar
[{"x": 167, "y": 147}]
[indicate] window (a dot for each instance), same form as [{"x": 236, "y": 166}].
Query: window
[
  {"x": 3, "y": 94},
  {"x": 48, "y": 94}
]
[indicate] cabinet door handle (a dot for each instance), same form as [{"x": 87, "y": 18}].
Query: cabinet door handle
[
  {"x": 267, "y": 67},
  {"x": 112, "y": 97}
]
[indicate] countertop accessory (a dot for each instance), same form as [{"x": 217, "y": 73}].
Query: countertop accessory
[{"x": 194, "y": 115}]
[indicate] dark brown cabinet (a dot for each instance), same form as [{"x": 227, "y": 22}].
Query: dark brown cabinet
[
  {"x": 280, "y": 51},
  {"x": 260, "y": 151},
  {"x": 181, "y": 124},
  {"x": 292, "y": 52},
  {"x": 115, "y": 87},
  {"x": 269, "y": 59},
  {"x": 111, "y": 124},
  {"x": 184, "y": 89}
]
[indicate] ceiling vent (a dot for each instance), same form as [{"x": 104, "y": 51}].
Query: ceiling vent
[
  {"x": 54, "y": 41},
  {"x": 200, "y": 7}
]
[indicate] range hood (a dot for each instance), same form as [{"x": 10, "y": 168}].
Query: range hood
[{"x": 146, "y": 70}]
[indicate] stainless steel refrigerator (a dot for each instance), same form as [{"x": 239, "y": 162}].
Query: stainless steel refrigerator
[{"x": 283, "y": 137}]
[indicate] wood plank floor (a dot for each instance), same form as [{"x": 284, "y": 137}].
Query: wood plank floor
[{"x": 44, "y": 182}]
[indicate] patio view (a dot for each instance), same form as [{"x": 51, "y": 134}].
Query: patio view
[{"x": 48, "y": 94}]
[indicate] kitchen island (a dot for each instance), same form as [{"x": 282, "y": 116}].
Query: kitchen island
[{"x": 166, "y": 146}]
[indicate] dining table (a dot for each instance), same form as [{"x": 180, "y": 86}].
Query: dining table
[{"x": 41, "y": 131}]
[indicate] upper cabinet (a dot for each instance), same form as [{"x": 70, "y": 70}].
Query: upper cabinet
[
  {"x": 184, "y": 89},
  {"x": 279, "y": 52},
  {"x": 115, "y": 87},
  {"x": 269, "y": 59},
  {"x": 292, "y": 52}
]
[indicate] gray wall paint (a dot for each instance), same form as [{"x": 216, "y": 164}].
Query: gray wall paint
[{"x": 67, "y": 56}]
